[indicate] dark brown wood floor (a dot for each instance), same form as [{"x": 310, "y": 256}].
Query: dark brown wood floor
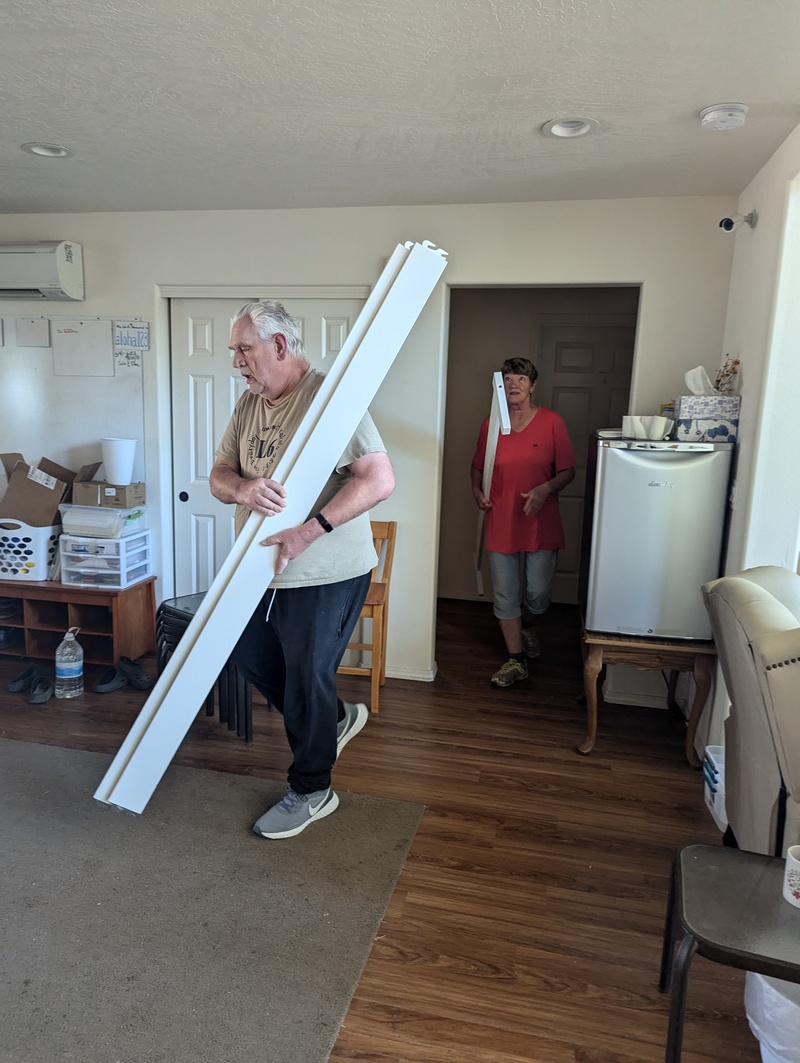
[{"x": 526, "y": 925}]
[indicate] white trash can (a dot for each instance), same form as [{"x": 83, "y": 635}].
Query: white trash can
[{"x": 773, "y": 1013}]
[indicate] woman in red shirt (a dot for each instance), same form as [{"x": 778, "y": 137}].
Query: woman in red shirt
[{"x": 532, "y": 464}]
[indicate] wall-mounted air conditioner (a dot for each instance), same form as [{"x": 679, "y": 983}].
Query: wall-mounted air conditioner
[{"x": 47, "y": 270}]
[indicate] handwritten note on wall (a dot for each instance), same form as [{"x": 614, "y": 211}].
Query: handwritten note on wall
[
  {"x": 130, "y": 339},
  {"x": 82, "y": 348}
]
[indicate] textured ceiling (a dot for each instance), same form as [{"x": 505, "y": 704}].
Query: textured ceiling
[{"x": 200, "y": 104}]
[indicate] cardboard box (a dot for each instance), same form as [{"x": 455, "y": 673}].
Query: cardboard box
[
  {"x": 99, "y": 493},
  {"x": 34, "y": 493}
]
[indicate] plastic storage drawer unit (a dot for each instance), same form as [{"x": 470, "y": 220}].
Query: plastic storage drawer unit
[{"x": 91, "y": 562}]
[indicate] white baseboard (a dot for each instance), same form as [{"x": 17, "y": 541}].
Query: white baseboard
[{"x": 419, "y": 675}]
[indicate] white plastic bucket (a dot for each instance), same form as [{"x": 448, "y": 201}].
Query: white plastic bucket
[{"x": 118, "y": 455}]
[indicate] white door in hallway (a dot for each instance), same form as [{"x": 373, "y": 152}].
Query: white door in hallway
[{"x": 205, "y": 387}]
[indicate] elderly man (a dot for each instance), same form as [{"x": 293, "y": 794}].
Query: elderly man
[{"x": 295, "y": 640}]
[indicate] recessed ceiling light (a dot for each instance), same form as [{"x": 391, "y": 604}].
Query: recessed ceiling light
[
  {"x": 570, "y": 127},
  {"x": 721, "y": 116},
  {"x": 51, "y": 151}
]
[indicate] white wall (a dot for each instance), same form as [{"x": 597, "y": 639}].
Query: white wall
[
  {"x": 672, "y": 247},
  {"x": 763, "y": 329},
  {"x": 70, "y": 413}
]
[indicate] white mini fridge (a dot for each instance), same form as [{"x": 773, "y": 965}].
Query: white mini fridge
[{"x": 660, "y": 516}]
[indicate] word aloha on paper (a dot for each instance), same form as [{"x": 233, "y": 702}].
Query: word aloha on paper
[{"x": 130, "y": 339}]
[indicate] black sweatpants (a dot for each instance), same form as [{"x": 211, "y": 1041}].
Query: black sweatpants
[{"x": 292, "y": 658}]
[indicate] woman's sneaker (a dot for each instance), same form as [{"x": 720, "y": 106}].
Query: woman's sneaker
[
  {"x": 511, "y": 671},
  {"x": 530, "y": 644}
]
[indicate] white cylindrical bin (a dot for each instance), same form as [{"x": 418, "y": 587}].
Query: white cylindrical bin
[
  {"x": 118, "y": 455},
  {"x": 773, "y": 1013}
]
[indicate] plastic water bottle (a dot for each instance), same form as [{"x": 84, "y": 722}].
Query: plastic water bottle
[{"x": 69, "y": 666}]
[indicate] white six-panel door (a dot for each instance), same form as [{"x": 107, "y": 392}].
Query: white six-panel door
[{"x": 205, "y": 387}]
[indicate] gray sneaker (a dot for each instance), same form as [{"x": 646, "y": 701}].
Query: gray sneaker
[
  {"x": 294, "y": 812},
  {"x": 510, "y": 672},
  {"x": 355, "y": 716}
]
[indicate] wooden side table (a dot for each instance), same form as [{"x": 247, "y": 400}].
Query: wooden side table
[{"x": 677, "y": 655}]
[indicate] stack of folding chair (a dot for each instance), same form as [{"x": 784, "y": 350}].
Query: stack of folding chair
[{"x": 231, "y": 690}]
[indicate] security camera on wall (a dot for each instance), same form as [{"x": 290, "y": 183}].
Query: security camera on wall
[{"x": 737, "y": 220}]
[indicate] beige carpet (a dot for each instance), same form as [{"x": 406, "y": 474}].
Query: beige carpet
[{"x": 178, "y": 936}]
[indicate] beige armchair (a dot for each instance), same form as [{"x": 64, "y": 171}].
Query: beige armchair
[{"x": 755, "y": 618}]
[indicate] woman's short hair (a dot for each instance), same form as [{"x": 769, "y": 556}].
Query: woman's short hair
[
  {"x": 520, "y": 367},
  {"x": 270, "y": 317}
]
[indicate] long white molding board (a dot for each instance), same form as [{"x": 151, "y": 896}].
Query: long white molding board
[
  {"x": 499, "y": 421},
  {"x": 389, "y": 314}
]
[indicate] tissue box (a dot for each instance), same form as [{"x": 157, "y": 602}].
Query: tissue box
[
  {"x": 702, "y": 407},
  {"x": 707, "y": 418},
  {"x": 706, "y": 430}
]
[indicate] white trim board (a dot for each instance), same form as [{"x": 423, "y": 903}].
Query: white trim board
[
  {"x": 499, "y": 421},
  {"x": 380, "y": 330}
]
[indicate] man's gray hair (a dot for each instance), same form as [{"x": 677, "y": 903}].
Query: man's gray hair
[{"x": 269, "y": 317}]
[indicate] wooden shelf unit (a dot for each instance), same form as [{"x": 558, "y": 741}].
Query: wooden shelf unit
[{"x": 114, "y": 622}]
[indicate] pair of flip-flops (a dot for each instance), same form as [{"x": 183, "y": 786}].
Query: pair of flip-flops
[
  {"x": 37, "y": 682},
  {"x": 126, "y": 673}
]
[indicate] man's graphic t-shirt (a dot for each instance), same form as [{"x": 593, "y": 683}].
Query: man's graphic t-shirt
[{"x": 254, "y": 441}]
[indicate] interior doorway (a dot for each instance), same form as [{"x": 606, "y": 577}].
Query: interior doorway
[{"x": 582, "y": 341}]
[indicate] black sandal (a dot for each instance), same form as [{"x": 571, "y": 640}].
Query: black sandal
[
  {"x": 42, "y": 690},
  {"x": 111, "y": 679},
  {"x": 24, "y": 680},
  {"x": 135, "y": 674}
]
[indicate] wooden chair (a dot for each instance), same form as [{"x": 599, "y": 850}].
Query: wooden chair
[{"x": 375, "y": 610}]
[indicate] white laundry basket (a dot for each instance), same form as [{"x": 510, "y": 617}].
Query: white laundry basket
[{"x": 773, "y": 1012}]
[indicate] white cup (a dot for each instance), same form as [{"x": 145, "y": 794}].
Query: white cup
[
  {"x": 791, "y": 876},
  {"x": 118, "y": 455}
]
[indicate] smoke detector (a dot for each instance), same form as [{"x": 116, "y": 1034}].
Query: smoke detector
[{"x": 721, "y": 116}]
